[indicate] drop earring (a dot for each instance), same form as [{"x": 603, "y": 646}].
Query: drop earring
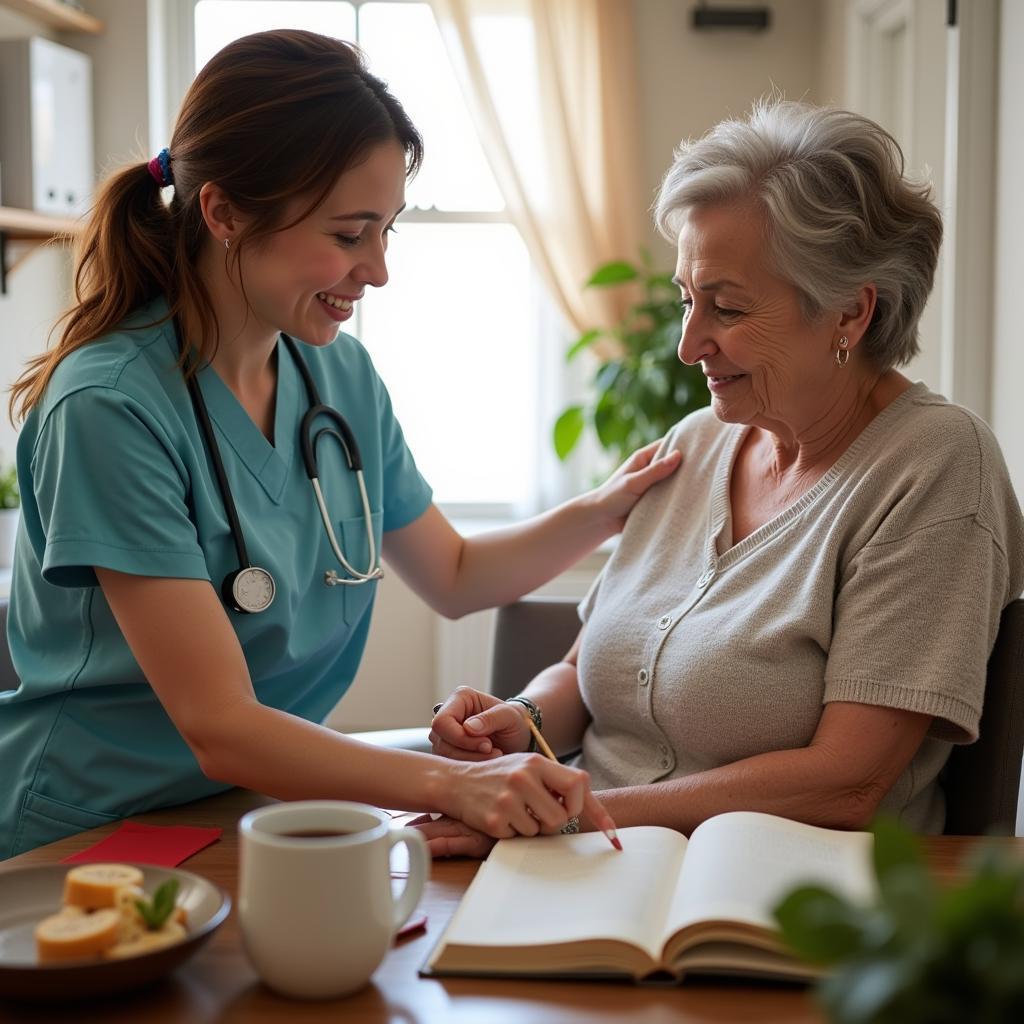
[
  {"x": 227, "y": 243},
  {"x": 843, "y": 353}
]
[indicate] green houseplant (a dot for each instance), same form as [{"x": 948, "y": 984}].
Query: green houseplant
[
  {"x": 642, "y": 389},
  {"x": 10, "y": 501},
  {"x": 10, "y": 497},
  {"x": 923, "y": 953}
]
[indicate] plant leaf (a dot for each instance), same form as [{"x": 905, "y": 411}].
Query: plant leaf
[
  {"x": 895, "y": 847},
  {"x": 583, "y": 341},
  {"x": 661, "y": 281},
  {"x": 818, "y": 925},
  {"x": 864, "y": 991},
  {"x": 616, "y": 272},
  {"x": 568, "y": 428},
  {"x": 606, "y": 377},
  {"x": 643, "y": 390}
]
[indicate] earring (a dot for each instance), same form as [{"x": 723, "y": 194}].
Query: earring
[
  {"x": 227, "y": 243},
  {"x": 843, "y": 353}
]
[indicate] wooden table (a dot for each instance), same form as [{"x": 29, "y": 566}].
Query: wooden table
[{"x": 218, "y": 984}]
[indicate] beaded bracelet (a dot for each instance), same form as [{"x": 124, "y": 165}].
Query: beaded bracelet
[{"x": 535, "y": 715}]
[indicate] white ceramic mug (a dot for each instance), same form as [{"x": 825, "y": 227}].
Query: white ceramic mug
[{"x": 317, "y": 913}]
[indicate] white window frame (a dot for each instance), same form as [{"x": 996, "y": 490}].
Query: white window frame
[{"x": 171, "y": 46}]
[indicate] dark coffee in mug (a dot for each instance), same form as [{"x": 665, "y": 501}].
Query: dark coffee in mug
[{"x": 317, "y": 833}]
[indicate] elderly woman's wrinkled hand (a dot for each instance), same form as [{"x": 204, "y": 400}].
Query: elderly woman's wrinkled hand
[
  {"x": 475, "y": 726},
  {"x": 447, "y": 837}
]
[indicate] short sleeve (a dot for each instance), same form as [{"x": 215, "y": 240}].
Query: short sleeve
[
  {"x": 108, "y": 491},
  {"x": 406, "y": 494},
  {"x": 915, "y": 619}
]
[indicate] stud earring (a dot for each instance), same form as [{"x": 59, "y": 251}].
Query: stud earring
[{"x": 843, "y": 353}]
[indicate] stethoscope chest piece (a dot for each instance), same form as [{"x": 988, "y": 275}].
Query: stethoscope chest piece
[{"x": 248, "y": 590}]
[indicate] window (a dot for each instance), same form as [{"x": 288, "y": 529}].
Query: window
[{"x": 456, "y": 333}]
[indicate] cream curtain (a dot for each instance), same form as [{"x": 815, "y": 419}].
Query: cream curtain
[{"x": 551, "y": 86}]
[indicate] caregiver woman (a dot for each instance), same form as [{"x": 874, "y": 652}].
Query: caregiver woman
[{"x": 182, "y": 616}]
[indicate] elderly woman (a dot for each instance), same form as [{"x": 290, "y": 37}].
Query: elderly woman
[{"x": 797, "y": 622}]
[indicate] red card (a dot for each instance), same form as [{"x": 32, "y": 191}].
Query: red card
[
  {"x": 416, "y": 923},
  {"x": 133, "y": 842}
]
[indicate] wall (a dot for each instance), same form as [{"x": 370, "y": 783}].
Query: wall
[
  {"x": 120, "y": 83},
  {"x": 689, "y": 80},
  {"x": 1007, "y": 348}
]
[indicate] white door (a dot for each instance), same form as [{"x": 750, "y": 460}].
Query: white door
[
  {"x": 926, "y": 70},
  {"x": 896, "y": 75}
]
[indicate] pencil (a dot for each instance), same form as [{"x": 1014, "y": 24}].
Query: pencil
[{"x": 542, "y": 744}]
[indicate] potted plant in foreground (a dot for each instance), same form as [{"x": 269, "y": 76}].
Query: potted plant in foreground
[
  {"x": 10, "y": 505},
  {"x": 642, "y": 389},
  {"x": 923, "y": 953}
]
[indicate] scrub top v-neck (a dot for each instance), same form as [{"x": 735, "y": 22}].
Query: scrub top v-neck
[{"x": 117, "y": 475}]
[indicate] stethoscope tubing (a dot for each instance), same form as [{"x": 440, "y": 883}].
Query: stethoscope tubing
[{"x": 308, "y": 442}]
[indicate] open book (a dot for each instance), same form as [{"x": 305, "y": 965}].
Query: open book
[{"x": 571, "y": 906}]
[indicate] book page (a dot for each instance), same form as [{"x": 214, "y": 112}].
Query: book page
[
  {"x": 554, "y": 889},
  {"x": 740, "y": 865}
]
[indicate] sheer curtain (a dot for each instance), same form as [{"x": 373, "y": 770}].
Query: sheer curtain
[{"x": 551, "y": 85}]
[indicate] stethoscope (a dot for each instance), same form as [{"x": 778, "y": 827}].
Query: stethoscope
[{"x": 250, "y": 588}]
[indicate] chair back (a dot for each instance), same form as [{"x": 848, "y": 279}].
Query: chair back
[
  {"x": 982, "y": 779},
  {"x": 8, "y": 677},
  {"x": 528, "y": 636}
]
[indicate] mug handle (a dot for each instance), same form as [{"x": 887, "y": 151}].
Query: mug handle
[{"x": 419, "y": 865}]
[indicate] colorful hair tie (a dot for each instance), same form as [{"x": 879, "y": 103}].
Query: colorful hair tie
[{"x": 160, "y": 168}]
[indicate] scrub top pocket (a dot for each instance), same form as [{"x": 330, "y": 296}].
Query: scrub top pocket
[
  {"x": 45, "y": 820},
  {"x": 352, "y": 536}
]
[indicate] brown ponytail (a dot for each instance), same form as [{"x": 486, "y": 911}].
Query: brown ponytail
[{"x": 272, "y": 116}]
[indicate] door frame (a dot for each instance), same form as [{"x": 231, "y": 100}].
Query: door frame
[{"x": 966, "y": 267}]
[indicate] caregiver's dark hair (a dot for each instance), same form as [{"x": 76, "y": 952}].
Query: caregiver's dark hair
[{"x": 273, "y": 116}]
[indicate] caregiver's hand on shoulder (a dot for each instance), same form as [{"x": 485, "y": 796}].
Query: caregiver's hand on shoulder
[
  {"x": 475, "y": 726},
  {"x": 448, "y": 837},
  {"x": 616, "y": 497},
  {"x": 520, "y": 794}
]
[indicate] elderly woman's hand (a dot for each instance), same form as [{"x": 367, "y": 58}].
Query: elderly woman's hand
[
  {"x": 447, "y": 837},
  {"x": 616, "y": 497},
  {"x": 475, "y": 726}
]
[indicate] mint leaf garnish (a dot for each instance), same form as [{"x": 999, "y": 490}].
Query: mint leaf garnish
[{"x": 156, "y": 911}]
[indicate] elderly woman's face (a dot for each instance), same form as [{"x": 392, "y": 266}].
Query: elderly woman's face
[{"x": 765, "y": 364}]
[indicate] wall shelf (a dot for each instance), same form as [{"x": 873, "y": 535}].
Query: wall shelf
[
  {"x": 29, "y": 230},
  {"x": 25, "y": 225},
  {"x": 56, "y": 14}
]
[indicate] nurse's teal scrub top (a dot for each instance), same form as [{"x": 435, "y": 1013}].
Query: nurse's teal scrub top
[{"x": 114, "y": 472}]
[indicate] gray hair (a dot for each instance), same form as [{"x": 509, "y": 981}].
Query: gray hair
[{"x": 839, "y": 212}]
